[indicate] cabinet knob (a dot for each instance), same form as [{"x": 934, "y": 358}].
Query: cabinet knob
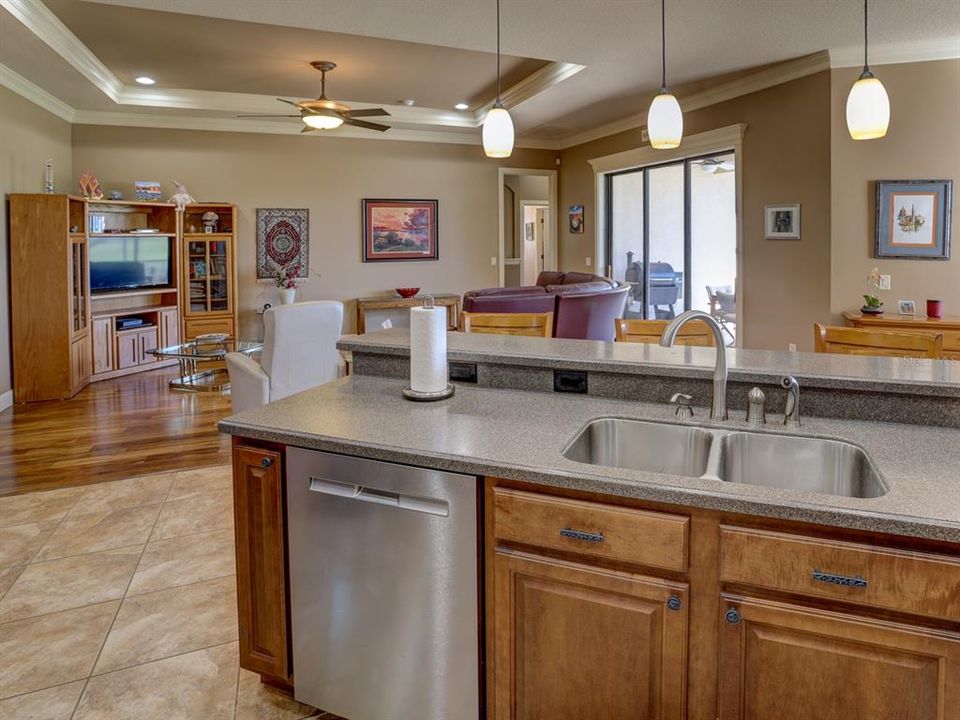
[
  {"x": 266, "y": 462},
  {"x": 732, "y": 616},
  {"x": 673, "y": 602}
]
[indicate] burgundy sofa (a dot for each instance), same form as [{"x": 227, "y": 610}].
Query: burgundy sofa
[{"x": 583, "y": 305}]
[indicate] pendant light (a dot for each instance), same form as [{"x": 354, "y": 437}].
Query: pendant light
[
  {"x": 497, "y": 126},
  {"x": 868, "y": 107},
  {"x": 664, "y": 118}
]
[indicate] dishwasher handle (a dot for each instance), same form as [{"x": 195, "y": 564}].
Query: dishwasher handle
[{"x": 361, "y": 493}]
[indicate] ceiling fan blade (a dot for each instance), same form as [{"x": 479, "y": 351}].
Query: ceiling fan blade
[
  {"x": 268, "y": 116},
  {"x": 371, "y": 112},
  {"x": 306, "y": 129},
  {"x": 288, "y": 102},
  {"x": 367, "y": 125}
]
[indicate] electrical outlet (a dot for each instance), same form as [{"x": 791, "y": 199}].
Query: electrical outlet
[
  {"x": 588, "y": 261},
  {"x": 493, "y": 261},
  {"x": 884, "y": 282},
  {"x": 792, "y": 347}
]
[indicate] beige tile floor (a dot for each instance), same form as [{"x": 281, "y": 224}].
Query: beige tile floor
[{"x": 118, "y": 601}]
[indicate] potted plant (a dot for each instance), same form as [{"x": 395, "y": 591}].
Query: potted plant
[
  {"x": 872, "y": 304},
  {"x": 286, "y": 283}
]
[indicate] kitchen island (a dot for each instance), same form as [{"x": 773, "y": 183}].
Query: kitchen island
[{"x": 616, "y": 592}]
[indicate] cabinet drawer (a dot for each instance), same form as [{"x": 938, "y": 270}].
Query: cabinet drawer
[
  {"x": 194, "y": 328},
  {"x": 913, "y": 582},
  {"x": 638, "y": 537}
]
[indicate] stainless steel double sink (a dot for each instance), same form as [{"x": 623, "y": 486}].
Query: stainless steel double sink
[{"x": 791, "y": 462}]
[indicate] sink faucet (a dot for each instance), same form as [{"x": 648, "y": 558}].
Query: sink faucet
[{"x": 718, "y": 410}]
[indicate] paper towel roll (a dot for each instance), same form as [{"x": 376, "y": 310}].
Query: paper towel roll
[{"x": 428, "y": 349}]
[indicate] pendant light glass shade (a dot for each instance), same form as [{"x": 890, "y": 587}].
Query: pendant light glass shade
[
  {"x": 497, "y": 125},
  {"x": 868, "y": 109},
  {"x": 498, "y": 133},
  {"x": 665, "y": 122},
  {"x": 322, "y": 122}
]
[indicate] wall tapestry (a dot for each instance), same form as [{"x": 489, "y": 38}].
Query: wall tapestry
[
  {"x": 399, "y": 230},
  {"x": 913, "y": 219},
  {"x": 283, "y": 242}
]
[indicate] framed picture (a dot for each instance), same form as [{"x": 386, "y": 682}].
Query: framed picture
[
  {"x": 529, "y": 231},
  {"x": 907, "y": 307},
  {"x": 913, "y": 219},
  {"x": 399, "y": 230},
  {"x": 576, "y": 219},
  {"x": 283, "y": 242},
  {"x": 782, "y": 222}
]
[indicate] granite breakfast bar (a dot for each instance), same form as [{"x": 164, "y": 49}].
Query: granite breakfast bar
[{"x": 722, "y": 594}]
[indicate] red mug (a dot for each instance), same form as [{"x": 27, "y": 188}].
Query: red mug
[{"x": 934, "y": 309}]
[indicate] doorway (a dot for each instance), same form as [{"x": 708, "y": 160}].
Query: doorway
[
  {"x": 528, "y": 235},
  {"x": 672, "y": 235}
]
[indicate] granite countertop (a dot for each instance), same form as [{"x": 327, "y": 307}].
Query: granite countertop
[
  {"x": 521, "y": 435},
  {"x": 850, "y": 372}
]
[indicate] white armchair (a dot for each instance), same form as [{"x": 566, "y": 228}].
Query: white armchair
[{"x": 299, "y": 352}]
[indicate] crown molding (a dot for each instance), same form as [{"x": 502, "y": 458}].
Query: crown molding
[
  {"x": 754, "y": 82},
  {"x": 926, "y": 50},
  {"x": 35, "y": 94},
  {"x": 41, "y": 21}
]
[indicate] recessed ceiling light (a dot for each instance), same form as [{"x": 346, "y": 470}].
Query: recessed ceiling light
[
  {"x": 462, "y": 106},
  {"x": 409, "y": 102},
  {"x": 144, "y": 80}
]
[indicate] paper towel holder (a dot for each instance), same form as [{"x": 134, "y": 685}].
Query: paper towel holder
[{"x": 418, "y": 396}]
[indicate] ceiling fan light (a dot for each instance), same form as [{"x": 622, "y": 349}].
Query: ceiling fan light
[
  {"x": 498, "y": 133},
  {"x": 665, "y": 122},
  {"x": 323, "y": 122},
  {"x": 868, "y": 108}
]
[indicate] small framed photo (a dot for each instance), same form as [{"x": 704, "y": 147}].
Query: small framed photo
[
  {"x": 399, "y": 230},
  {"x": 913, "y": 219},
  {"x": 907, "y": 307},
  {"x": 576, "y": 219},
  {"x": 782, "y": 222}
]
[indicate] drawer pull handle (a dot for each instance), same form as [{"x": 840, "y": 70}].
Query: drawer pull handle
[
  {"x": 674, "y": 603},
  {"x": 732, "y": 616},
  {"x": 266, "y": 462},
  {"x": 843, "y": 580},
  {"x": 591, "y": 537}
]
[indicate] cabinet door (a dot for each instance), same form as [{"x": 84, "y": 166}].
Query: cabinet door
[
  {"x": 103, "y": 345},
  {"x": 169, "y": 328},
  {"x": 778, "y": 662},
  {"x": 80, "y": 366},
  {"x": 146, "y": 343},
  {"x": 128, "y": 350},
  {"x": 573, "y": 641},
  {"x": 261, "y": 567}
]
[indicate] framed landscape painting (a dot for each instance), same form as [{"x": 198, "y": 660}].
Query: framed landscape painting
[
  {"x": 399, "y": 230},
  {"x": 913, "y": 219}
]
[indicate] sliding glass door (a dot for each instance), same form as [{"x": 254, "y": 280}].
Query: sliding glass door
[{"x": 671, "y": 234}]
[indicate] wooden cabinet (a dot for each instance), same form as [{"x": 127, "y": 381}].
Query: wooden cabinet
[
  {"x": 81, "y": 362},
  {"x": 148, "y": 341},
  {"x": 169, "y": 328},
  {"x": 783, "y": 662},
  {"x": 258, "y": 494},
  {"x": 134, "y": 346},
  {"x": 573, "y": 641},
  {"x": 195, "y": 327},
  {"x": 103, "y": 345},
  {"x": 208, "y": 269}
]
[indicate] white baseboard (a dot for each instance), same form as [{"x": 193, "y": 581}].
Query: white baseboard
[{"x": 6, "y": 400}]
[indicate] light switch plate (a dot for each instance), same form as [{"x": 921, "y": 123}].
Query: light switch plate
[
  {"x": 588, "y": 261},
  {"x": 493, "y": 261}
]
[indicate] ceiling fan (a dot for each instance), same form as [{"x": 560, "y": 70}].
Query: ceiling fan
[
  {"x": 715, "y": 166},
  {"x": 325, "y": 114}
]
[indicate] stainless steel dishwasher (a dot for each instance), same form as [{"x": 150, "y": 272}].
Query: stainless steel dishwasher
[{"x": 383, "y": 588}]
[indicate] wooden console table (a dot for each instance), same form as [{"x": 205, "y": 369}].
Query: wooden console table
[
  {"x": 948, "y": 326},
  {"x": 450, "y": 302}
]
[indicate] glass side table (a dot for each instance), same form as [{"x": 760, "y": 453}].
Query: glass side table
[{"x": 205, "y": 349}]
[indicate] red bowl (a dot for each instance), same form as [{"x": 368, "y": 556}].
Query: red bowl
[{"x": 407, "y": 292}]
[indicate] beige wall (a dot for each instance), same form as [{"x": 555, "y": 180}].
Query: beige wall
[
  {"x": 29, "y": 136},
  {"x": 329, "y": 176},
  {"x": 786, "y": 159},
  {"x": 923, "y": 142}
]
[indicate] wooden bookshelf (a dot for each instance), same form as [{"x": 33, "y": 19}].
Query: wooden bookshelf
[{"x": 208, "y": 270}]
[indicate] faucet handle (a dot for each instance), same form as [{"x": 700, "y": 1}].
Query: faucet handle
[
  {"x": 791, "y": 412},
  {"x": 756, "y": 410},
  {"x": 682, "y": 401}
]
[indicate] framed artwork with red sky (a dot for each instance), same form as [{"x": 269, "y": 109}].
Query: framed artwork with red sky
[{"x": 399, "y": 230}]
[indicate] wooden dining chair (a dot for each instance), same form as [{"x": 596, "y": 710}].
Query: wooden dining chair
[
  {"x": 695, "y": 332},
  {"x": 886, "y": 343},
  {"x": 526, "y": 324}
]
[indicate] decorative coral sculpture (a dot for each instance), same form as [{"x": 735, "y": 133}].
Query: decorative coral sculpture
[{"x": 181, "y": 198}]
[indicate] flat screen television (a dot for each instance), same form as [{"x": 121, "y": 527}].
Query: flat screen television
[{"x": 130, "y": 262}]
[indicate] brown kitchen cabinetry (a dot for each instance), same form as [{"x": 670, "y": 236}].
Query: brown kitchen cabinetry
[{"x": 262, "y": 595}]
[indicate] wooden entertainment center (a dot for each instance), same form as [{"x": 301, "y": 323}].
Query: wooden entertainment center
[{"x": 68, "y": 331}]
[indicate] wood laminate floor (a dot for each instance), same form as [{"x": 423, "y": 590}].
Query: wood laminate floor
[{"x": 111, "y": 430}]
